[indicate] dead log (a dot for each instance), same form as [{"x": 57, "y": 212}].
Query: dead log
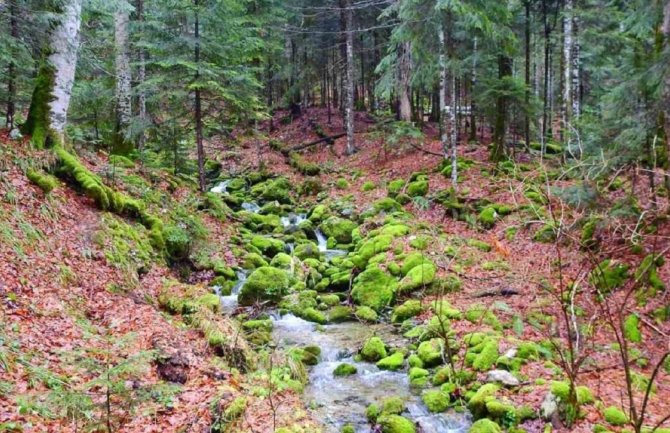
[{"x": 329, "y": 140}]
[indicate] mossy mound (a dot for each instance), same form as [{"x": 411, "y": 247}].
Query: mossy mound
[
  {"x": 430, "y": 352},
  {"x": 264, "y": 284},
  {"x": 608, "y": 276},
  {"x": 485, "y": 426},
  {"x": 393, "y": 362},
  {"x": 477, "y": 403},
  {"x": 418, "y": 188},
  {"x": 406, "y": 311},
  {"x": 366, "y": 314},
  {"x": 267, "y": 245},
  {"x": 44, "y": 181},
  {"x": 396, "y": 424},
  {"x": 338, "y": 228},
  {"x": 373, "y": 350},
  {"x": 615, "y": 416},
  {"x": 374, "y": 288},
  {"x": 418, "y": 277},
  {"x": 344, "y": 370},
  {"x": 435, "y": 400}
]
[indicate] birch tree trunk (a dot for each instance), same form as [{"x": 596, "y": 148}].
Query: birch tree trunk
[
  {"x": 47, "y": 115},
  {"x": 666, "y": 93},
  {"x": 349, "y": 85},
  {"x": 404, "y": 66},
  {"x": 123, "y": 96},
  {"x": 448, "y": 132}
]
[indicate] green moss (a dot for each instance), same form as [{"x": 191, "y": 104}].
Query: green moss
[
  {"x": 430, "y": 352},
  {"x": 395, "y": 230},
  {"x": 37, "y": 124},
  {"x": 395, "y": 186},
  {"x": 420, "y": 242},
  {"x": 477, "y": 403},
  {"x": 631, "y": 328},
  {"x": 485, "y": 426},
  {"x": 480, "y": 245},
  {"x": 177, "y": 242},
  {"x": 338, "y": 228},
  {"x": 304, "y": 167},
  {"x": 253, "y": 261},
  {"x": 392, "y": 406},
  {"x": 487, "y": 217},
  {"x": 487, "y": 357},
  {"x": 392, "y": 362},
  {"x": 267, "y": 245},
  {"x": 374, "y": 288},
  {"x": 121, "y": 161},
  {"x": 341, "y": 183},
  {"x": 210, "y": 301},
  {"x": 312, "y": 315},
  {"x": 435, "y": 400},
  {"x": 265, "y": 283},
  {"x": 344, "y": 370},
  {"x": 372, "y": 247},
  {"x": 339, "y": 313},
  {"x": 235, "y": 409},
  {"x": 414, "y": 361},
  {"x": 418, "y": 277},
  {"x": 307, "y": 250},
  {"x": 348, "y": 428},
  {"x": 444, "y": 308},
  {"x": 615, "y": 416},
  {"x": 368, "y": 186},
  {"x": 413, "y": 260},
  {"x": 396, "y": 424},
  {"x": 405, "y": 311},
  {"x": 418, "y": 372},
  {"x": 44, "y": 181},
  {"x": 366, "y": 314},
  {"x": 418, "y": 188},
  {"x": 608, "y": 275},
  {"x": 373, "y": 350}
]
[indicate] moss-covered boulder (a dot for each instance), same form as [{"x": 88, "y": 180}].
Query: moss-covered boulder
[
  {"x": 373, "y": 350},
  {"x": 615, "y": 416},
  {"x": 344, "y": 369},
  {"x": 374, "y": 288},
  {"x": 413, "y": 260},
  {"x": 318, "y": 213},
  {"x": 392, "y": 362},
  {"x": 396, "y": 424},
  {"x": 264, "y": 284},
  {"x": 487, "y": 356},
  {"x": 430, "y": 352},
  {"x": 477, "y": 403},
  {"x": 395, "y": 186},
  {"x": 370, "y": 248},
  {"x": 418, "y": 188},
  {"x": 485, "y": 426},
  {"x": 406, "y": 311},
  {"x": 487, "y": 217},
  {"x": 307, "y": 250},
  {"x": 435, "y": 400},
  {"x": 339, "y": 229},
  {"x": 253, "y": 261},
  {"x": 366, "y": 314},
  {"x": 418, "y": 277},
  {"x": 267, "y": 245}
]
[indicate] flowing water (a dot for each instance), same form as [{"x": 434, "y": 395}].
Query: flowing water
[
  {"x": 221, "y": 187},
  {"x": 336, "y": 401},
  {"x": 322, "y": 242},
  {"x": 251, "y": 207},
  {"x": 293, "y": 220},
  {"x": 229, "y": 302}
]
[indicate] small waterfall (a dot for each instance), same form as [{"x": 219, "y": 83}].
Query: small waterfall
[
  {"x": 229, "y": 302},
  {"x": 293, "y": 220},
  {"x": 221, "y": 187},
  {"x": 321, "y": 240},
  {"x": 251, "y": 207}
]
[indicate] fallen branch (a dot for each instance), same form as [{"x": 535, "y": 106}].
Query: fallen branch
[
  {"x": 330, "y": 140},
  {"x": 429, "y": 152}
]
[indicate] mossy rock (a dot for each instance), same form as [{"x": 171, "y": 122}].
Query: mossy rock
[
  {"x": 413, "y": 260},
  {"x": 392, "y": 362},
  {"x": 396, "y": 424},
  {"x": 341, "y": 183},
  {"x": 435, "y": 400},
  {"x": 344, "y": 369},
  {"x": 486, "y": 359},
  {"x": 348, "y": 428},
  {"x": 546, "y": 234},
  {"x": 373, "y": 350},
  {"x": 420, "y": 242},
  {"x": 318, "y": 213},
  {"x": 312, "y": 315},
  {"x": 370, "y": 248},
  {"x": 499, "y": 410},
  {"x": 307, "y": 250},
  {"x": 418, "y": 188},
  {"x": 368, "y": 186},
  {"x": 366, "y": 314},
  {"x": 267, "y": 245},
  {"x": 338, "y": 228},
  {"x": 340, "y": 313},
  {"x": 394, "y": 187},
  {"x": 631, "y": 328},
  {"x": 374, "y": 288},
  {"x": 608, "y": 276},
  {"x": 253, "y": 261},
  {"x": 487, "y": 217},
  {"x": 615, "y": 416},
  {"x": 485, "y": 426},
  {"x": 282, "y": 261},
  {"x": 430, "y": 352},
  {"x": 477, "y": 403},
  {"x": 561, "y": 389},
  {"x": 177, "y": 242},
  {"x": 418, "y": 277},
  {"x": 395, "y": 230},
  {"x": 264, "y": 284},
  {"x": 210, "y": 301},
  {"x": 406, "y": 311}
]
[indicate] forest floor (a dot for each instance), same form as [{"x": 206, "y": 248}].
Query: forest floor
[{"x": 77, "y": 320}]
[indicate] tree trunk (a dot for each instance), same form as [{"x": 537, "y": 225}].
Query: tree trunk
[
  {"x": 498, "y": 145},
  {"x": 447, "y": 117},
  {"x": 404, "y": 66},
  {"x": 141, "y": 78},
  {"x": 473, "y": 83},
  {"x": 11, "y": 68},
  {"x": 198, "y": 102},
  {"x": 349, "y": 90},
  {"x": 666, "y": 96},
  {"x": 567, "y": 65},
  {"x": 526, "y": 121},
  {"x": 121, "y": 144},
  {"x": 545, "y": 90},
  {"x": 47, "y": 115}
]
